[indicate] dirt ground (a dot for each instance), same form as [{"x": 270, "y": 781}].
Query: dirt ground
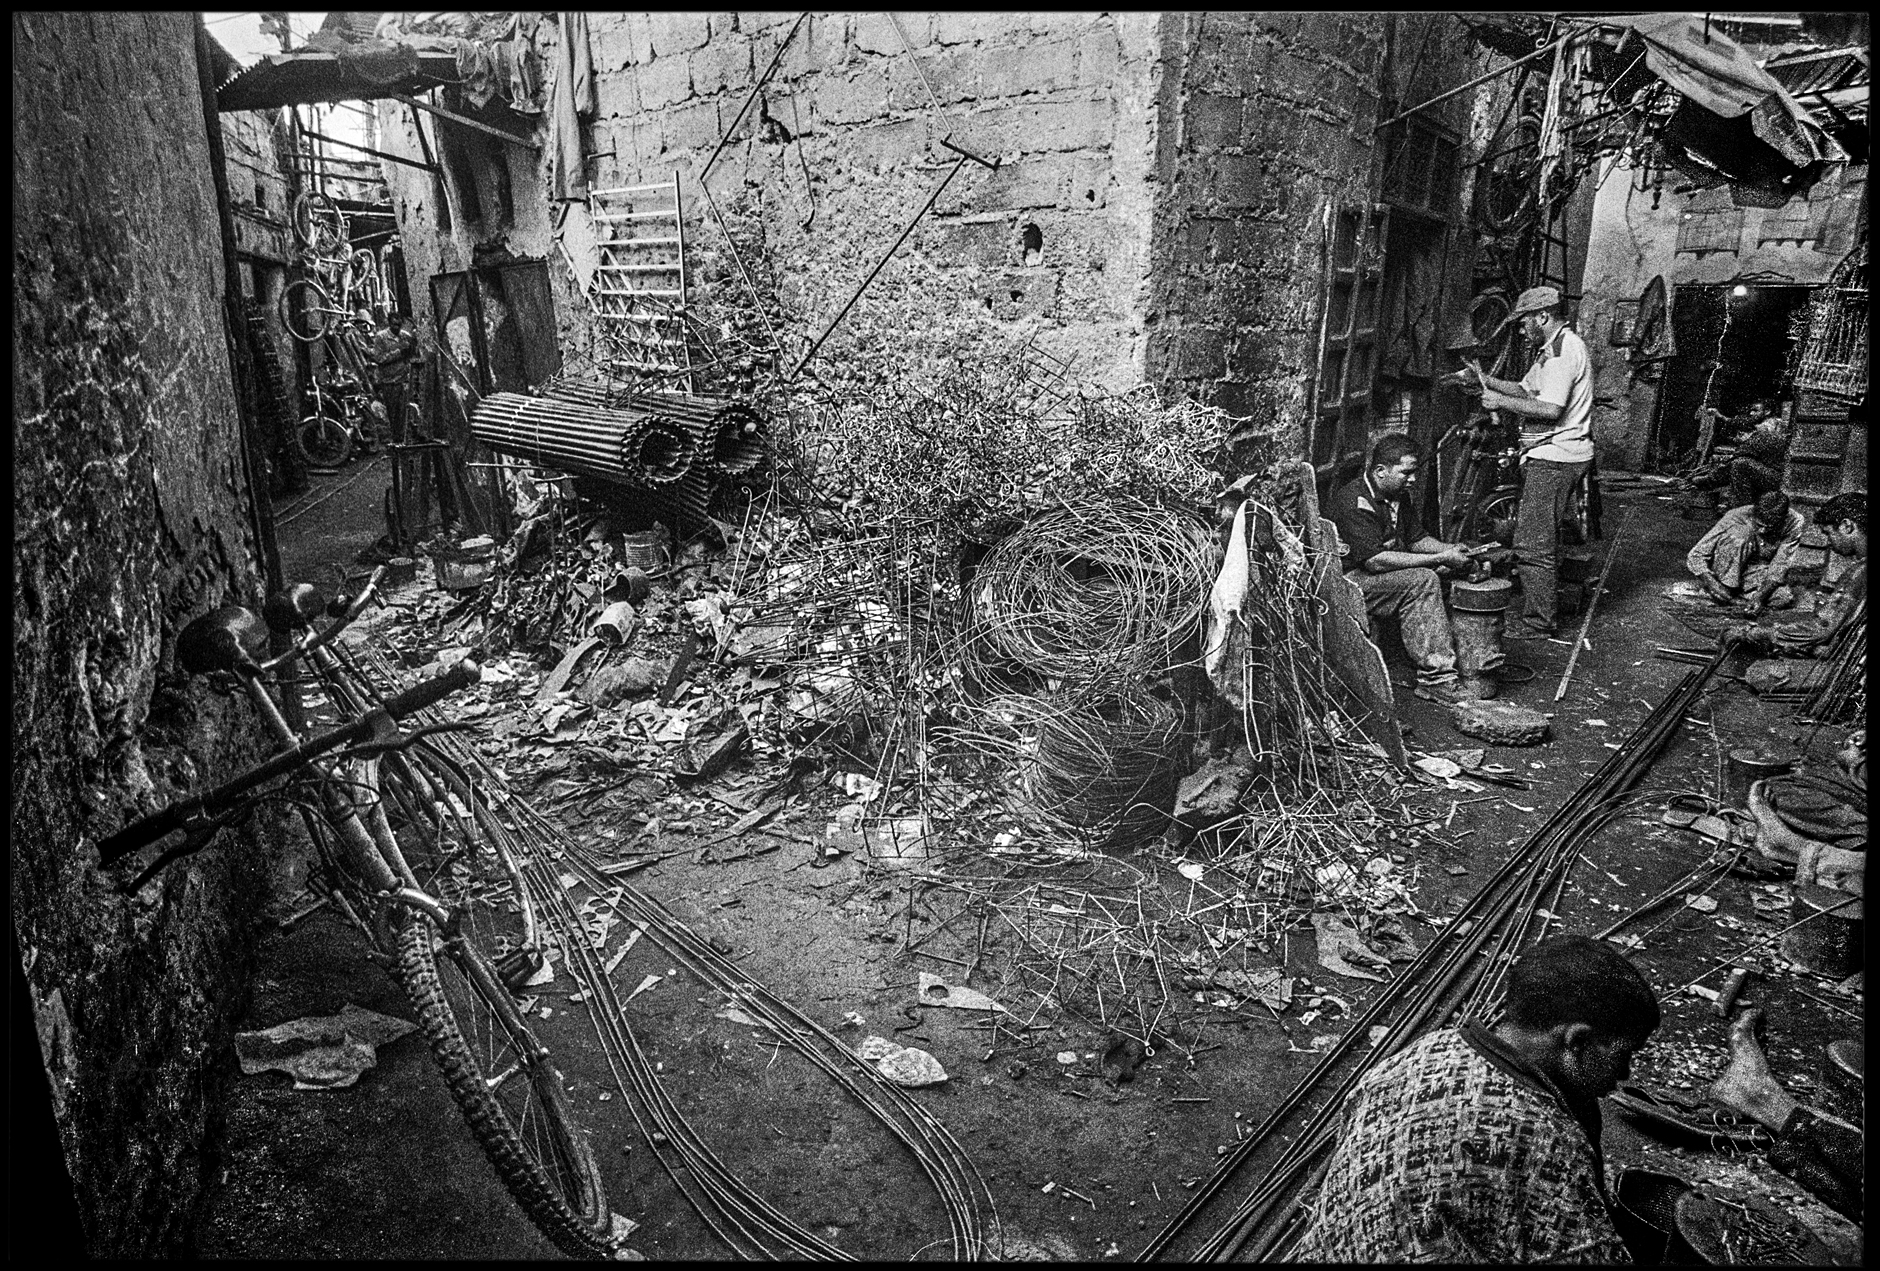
[{"x": 1080, "y": 1168}]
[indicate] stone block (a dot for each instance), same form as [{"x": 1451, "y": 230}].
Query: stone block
[
  {"x": 875, "y": 33},
  {"x": 969, "y": 28},
  {"x": 678, "y": 32},
  {"x": 751, "y": 23},
  {"x": 633, "y": 41},
  {"x": 1217, "y": 61},
  {"x": 822, "y": 45},
  {"x": 1044, "y": 126},
  {"x": 852, "y": 99},
  {"x": 973, "y": 244},
  {"x": 1099, "y": 58},
  {"x": 1199, "y": 353},
  {"x": 721, "y": 65},
  {"x": 663, "y": 82},
  {"x": 1087, "y": 182},
  {"x": 954, "y": 74},
  {"x": 1235, "y": 181},
  {"x": 1022, "y": 184},
  {"x": 1211, "y": 122},
  {"x": 1257, "y": 357},
  {"x": 694, "y": 127},
  {"x": 893, "y": 145},
  {"x": 1020, "y": 293}
]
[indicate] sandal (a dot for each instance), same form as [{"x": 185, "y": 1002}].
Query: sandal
[{"x": 1687, "y": 1121}]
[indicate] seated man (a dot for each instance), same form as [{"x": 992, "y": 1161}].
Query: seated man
[
  {"x": 1843, "y": 597},
  {"x": 1393, "y": 560},
  {"x": 1747, "y": 554},
  {"x": 1762, "y": 446},
  {"x": 1482, "y": 1146}
]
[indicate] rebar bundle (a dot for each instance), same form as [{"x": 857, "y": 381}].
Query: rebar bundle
[
  {"x": 1842, "y": 694},
  {"x": 1090, "y": 598},
  {"x": 728, "y": 435},
  {"x": 633, "y": 447}
]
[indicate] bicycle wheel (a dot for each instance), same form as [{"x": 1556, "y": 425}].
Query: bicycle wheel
[
  {"x": 317, "y": 223},
  {"x": 1495, "y": 516},
  {"x": 306, "y": 310},
  {"x": 507, "y": 1090},
  {"x": 323, "y": 442}
]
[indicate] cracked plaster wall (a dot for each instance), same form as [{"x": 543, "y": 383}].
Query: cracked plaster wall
[{"x": 129, "y": 518}]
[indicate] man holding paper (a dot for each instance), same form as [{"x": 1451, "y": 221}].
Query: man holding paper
[{"x": 1554, "y": 402}]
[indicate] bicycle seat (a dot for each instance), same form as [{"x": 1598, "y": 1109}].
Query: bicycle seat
[
  {"x": 221, "y": 640},
  {"x": 293, "y": 608}
]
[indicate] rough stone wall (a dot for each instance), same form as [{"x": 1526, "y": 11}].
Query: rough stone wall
[
  {"x": 1631, "y": 243},
  {"x": 1268, "y": 120},
  {"x": 129, "y": 504}
]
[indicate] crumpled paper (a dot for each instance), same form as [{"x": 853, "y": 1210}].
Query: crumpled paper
[
  {"x": 903, "y": 1065},
  {"x": 1341, "y": 948},
  {"x": 322, "y": 1052}
]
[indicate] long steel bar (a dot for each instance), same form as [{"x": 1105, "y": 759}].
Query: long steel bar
[
  {"x": 465, "y": 120},
  {"x": 1592, "y": 603}
]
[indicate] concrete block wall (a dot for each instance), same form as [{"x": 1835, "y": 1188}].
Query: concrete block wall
[
  {"x": 1267, "y": 123},
  {"x": 812, "y": 200},
  {"x": 129, "y": 518}
]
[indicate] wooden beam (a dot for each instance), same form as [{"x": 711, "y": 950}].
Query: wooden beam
[
  {"x": 466, "y": 121},
  {"x": 377, "y": 154}
]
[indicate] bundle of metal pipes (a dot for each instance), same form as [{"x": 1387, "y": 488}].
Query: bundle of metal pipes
[
  {"x": 729, "y": 435},
  {"x": 634, "y": 447},
  {"x": 1460, "y": 972}
]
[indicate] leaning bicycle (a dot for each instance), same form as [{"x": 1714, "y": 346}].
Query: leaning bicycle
[{"x": 406, "y": 857}]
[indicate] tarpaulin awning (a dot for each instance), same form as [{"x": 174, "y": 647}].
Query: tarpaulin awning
[
  {"x": 1718, "y": 74},
  {"x": 378, "y": 69},
  {"x": 1735, "y": 122}
]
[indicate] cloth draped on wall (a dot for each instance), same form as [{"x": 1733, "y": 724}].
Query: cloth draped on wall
[{"x": 573, "y": 101}]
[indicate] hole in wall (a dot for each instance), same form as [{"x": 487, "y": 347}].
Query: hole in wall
[
  {"x": 1017, "y": 296},
  {"x": 1090, "y": 196},
  {"x": 988, "y": 302},
  {"x": 1031, "y": 239}
]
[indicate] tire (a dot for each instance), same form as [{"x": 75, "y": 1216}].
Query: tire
[
  {"x": 306, "y": 310},
  {"x": 323, "y": 442},
  {"x": 524, "y": 1125},
  {"x": 316, "y": 223},
  {"x": 1496, "y": 516}
]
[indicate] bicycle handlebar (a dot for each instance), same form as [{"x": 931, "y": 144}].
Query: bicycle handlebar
[
  {"x": 140, "y": 834},
  {"x": 308, "y": 644}
]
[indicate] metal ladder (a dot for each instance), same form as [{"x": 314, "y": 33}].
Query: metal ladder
[{"x": 639, "y": 285}]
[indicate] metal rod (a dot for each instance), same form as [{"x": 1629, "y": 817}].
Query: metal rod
[
  {"x": 377, "y": 154},
  {"x": 750, "y": 97},
  {"x": 1592, "y": 603},
  {"x": 880, "y": 264},
  {"x": 465, "y": 120},
  {"x": 1478, "y": 80}
]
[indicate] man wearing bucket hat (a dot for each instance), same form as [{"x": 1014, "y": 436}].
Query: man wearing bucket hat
[{"x": 1554, "y": 403}]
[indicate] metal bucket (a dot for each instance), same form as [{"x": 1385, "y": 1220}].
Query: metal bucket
[
  {"x": 644, "y": 549},
  {"x": 1746, "y": 765},
  {"x": 1829, "y": 941}
]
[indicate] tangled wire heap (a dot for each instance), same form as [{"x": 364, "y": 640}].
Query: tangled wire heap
[{"x": 1090, "y": 597}]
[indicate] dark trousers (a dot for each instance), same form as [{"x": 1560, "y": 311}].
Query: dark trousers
[
  {"x": 1545, "y": 486},
  {"x": 1825, "y": 1157}
]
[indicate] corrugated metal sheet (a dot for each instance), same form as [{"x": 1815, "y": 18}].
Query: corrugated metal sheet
[
  {"x": 296, "y": 79},
  {"x": 1819, "y": 72}
]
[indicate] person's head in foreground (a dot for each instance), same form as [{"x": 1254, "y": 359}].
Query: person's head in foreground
[
  {"x": 1844, "y": 520},
  {"x": 1578, "y": 1010}
]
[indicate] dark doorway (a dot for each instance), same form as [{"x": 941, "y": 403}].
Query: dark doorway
[{"x": 1732, "y": 349}]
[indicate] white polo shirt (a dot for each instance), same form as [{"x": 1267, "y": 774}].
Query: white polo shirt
[{"x": 1563, "y": 375}]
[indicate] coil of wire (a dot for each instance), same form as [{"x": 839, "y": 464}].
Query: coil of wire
[
  {"x": 1104, "y": 767},
  {"x": 1090, "y": 597}
]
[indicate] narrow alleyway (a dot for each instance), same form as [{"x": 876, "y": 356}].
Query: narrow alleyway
[{"x": 1081, "y": 1167}]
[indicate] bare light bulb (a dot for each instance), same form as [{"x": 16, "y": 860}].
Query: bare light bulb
[{"x": 1739, "y": 291}]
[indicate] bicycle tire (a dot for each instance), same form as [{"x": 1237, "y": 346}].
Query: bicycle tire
[
  {"x": 306, "y": 310},
  {"x": 317, "y": 223},
  {"x": 550, "y": 1171},
  {"x": 323, "y": 442}
]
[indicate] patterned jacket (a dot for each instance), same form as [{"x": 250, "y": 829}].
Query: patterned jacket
[{"x": 1452, "y": 1151}]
